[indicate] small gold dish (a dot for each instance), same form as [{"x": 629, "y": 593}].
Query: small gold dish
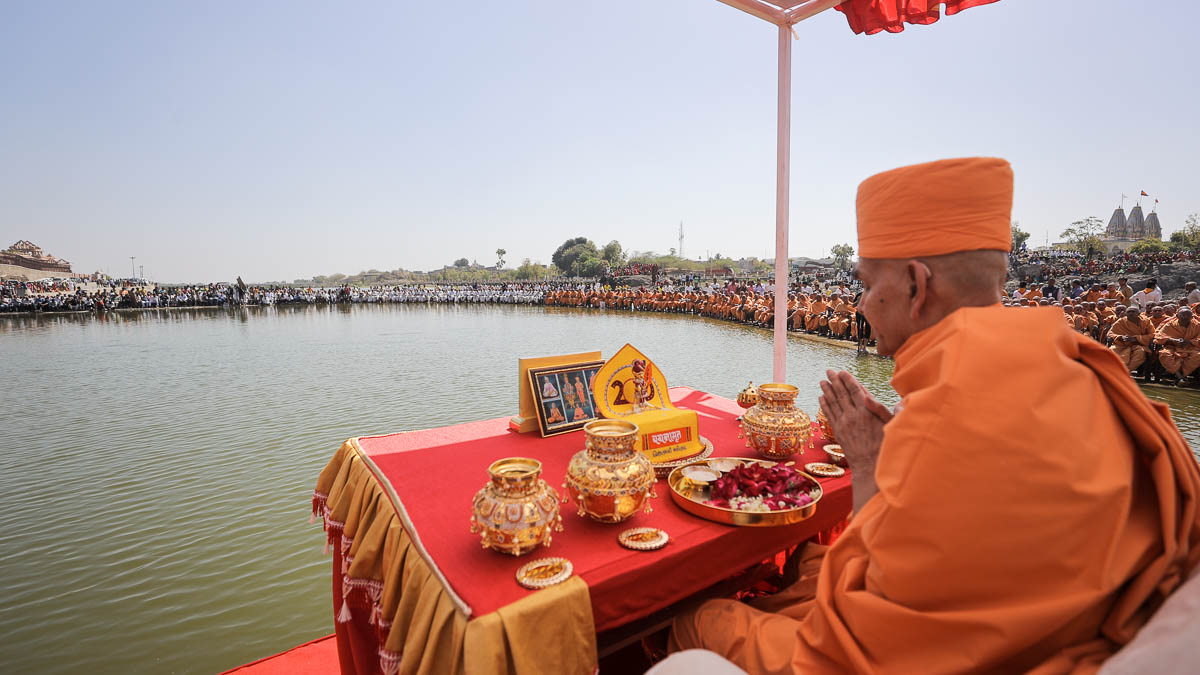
[
  {"x": 724, "y": 464},
  {"x": 824, "y": 470},
  {"x": 544, "y": 572},
  {"x": 700, "y": 473},
  {"x": 835, "y": 454},
  {"x": 643, "y": 538},
  {"x": 661, "y": 469}
]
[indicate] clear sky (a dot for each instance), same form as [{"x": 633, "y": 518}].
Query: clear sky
[{"x": 278, "y": 140}]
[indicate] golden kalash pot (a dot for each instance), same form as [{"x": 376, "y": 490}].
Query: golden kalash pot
[
  {"x": 826, "y": 428},
  {"x": 748, "y": 397},
  {"x": 775, "y": 427},
  {"x": 517, "y": 510},
  {"x": 609, "y": 480}
]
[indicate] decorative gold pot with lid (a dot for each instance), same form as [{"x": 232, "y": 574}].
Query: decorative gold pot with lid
[
  {"x": 748, "y": 397},
  {"x": 826, "y": 428},
  {"x": 517, "y": 510},
  {"x": 774, "y": 427},
  {"x": 609, "y": 480}
]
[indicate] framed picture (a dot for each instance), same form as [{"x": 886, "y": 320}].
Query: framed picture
[{"x": 562, "y": 396}]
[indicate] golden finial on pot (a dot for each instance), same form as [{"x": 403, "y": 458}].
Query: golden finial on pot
[{"x": 748, "y": 397}]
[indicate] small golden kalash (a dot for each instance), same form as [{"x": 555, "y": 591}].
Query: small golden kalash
[
  {"x": 609, "y": 479},
  {"x": 517, "y": 510}
]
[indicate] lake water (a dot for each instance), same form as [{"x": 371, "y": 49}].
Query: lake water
[{"x": 159, "y": 466}]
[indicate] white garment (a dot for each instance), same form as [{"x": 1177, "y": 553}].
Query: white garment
[
  {"x": 1193, "y": 297},
  {"x": 695, "y": 662}
]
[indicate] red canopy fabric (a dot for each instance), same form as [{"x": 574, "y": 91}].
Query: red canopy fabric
[{"x": 872, "y": 16}]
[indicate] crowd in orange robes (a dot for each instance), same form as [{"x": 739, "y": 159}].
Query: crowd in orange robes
[
  {"x": 1146, "y": 341},
  {"x": 830, "y": 312}
]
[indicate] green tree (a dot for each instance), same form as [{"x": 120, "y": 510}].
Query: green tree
[
  {"x": 562, "y": 258},
  {"x": 613, "y": 253},
  {"x": 529, "y": 270},
  {"x": 589, "y": 267},
  {"x": 462, "y": 262},
  {"x": 500, "y": 253},
  {"x": 841, "y": 255},
  {"x": 1084, "y": 236},
  {"x": 1188, "y": 237},
  {"x": 1149, "y": 245},
  {"x": 567, "y": 257},
  {"x": 1019, "y": 236}
]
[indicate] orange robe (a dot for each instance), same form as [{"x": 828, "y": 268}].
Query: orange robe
[
  {"x": 1179, "y": 359},
  {"x": 839, "y": 325},
  {"x": 1132, "y": 354},
  {"x": 816, "y": 310},
  {"x": 983, "y": 551}
]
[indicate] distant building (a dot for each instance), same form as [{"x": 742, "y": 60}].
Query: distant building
[
  {"x": 1153, "y": 229},
  {"x": 1123, "y": 232},
  {"x": 812, "y": 265},
  {"x": 24, "y": 260}
]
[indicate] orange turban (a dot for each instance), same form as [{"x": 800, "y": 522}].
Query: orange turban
[{"x": 936, "y": 208}]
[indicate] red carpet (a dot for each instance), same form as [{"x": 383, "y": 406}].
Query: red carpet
[{"x": 318, "y": 657}]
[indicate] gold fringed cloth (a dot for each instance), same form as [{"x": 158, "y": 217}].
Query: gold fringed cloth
[{"x": 394, "y": 613}]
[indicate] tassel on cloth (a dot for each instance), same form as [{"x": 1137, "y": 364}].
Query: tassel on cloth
[
  {"x": 389, "y": 661},
  {"x": 375, "y": 592},
  {"x": 318, "y": 505},
  {"x": 343, "y": 615}
]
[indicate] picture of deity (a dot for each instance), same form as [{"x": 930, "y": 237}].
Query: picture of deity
[
  {"x": 548, "y": 388},
  {"x": 579, "y": 390},
  {"x": 564, "y": 397}
]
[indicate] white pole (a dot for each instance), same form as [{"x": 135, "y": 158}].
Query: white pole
[{"x": 783, "y": 155}]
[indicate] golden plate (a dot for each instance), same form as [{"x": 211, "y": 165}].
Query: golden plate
[
  {"x": 643, "y": 538},
  {"x": 544, "y": 572},
  {"x": 690, "y": 496},
  {"x": 663, "y": 468},
  {"x": 824, "y": 470}
]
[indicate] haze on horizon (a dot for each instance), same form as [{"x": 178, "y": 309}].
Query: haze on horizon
[{"x": 279, "y": 140}]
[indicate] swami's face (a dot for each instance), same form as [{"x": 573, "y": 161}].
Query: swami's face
[{"x": 885, "y": 302}]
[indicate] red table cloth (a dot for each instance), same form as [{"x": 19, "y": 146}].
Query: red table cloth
[{"x": 435, "y": 474}]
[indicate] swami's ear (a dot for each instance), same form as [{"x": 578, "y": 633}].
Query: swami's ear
[{"x": 918, "y": 274}]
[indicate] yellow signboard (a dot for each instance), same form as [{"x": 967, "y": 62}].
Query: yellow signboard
[{"x": 629, "y": 386}]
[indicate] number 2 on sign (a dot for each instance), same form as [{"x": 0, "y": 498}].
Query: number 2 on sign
[{"x": 619, "y": 385}]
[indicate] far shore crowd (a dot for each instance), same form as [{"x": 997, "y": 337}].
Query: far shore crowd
[{"x": 1156, "y": 338}]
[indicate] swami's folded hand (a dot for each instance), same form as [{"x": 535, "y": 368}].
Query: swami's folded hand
[{"x": 857, "y": 419}]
